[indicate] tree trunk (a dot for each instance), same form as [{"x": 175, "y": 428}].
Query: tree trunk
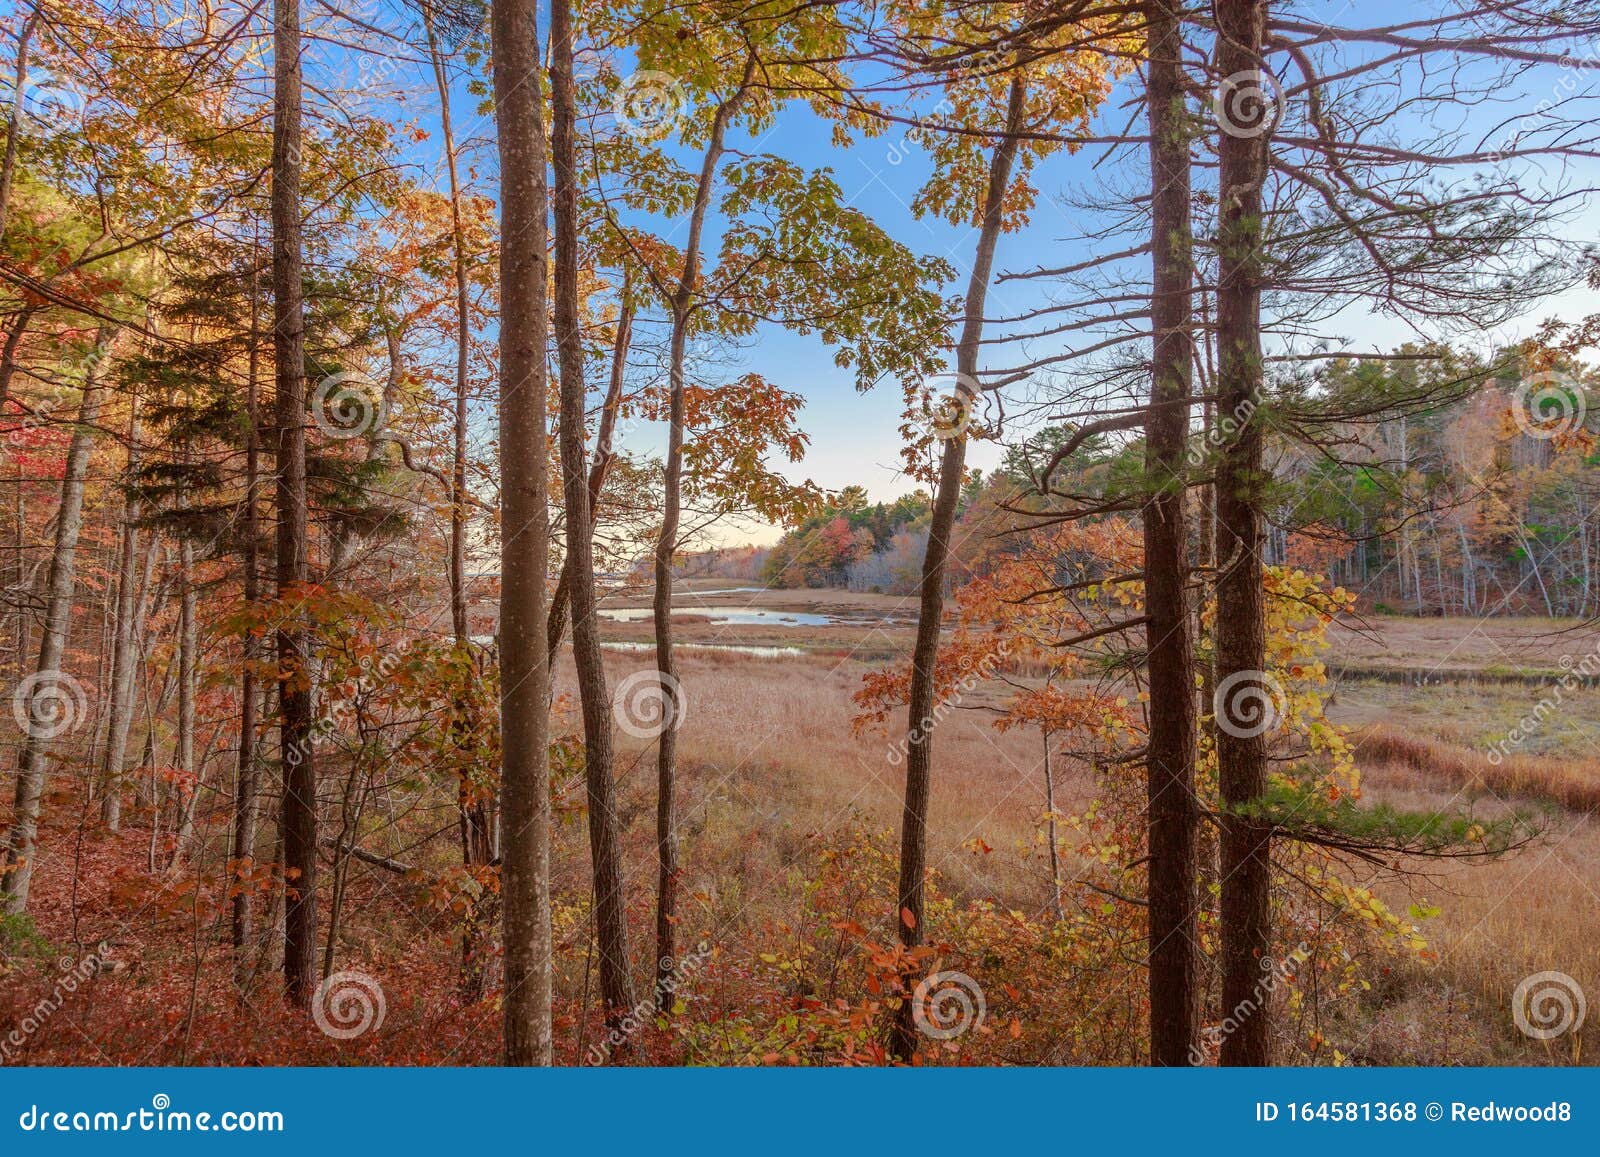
[
  {"x": 524, "y": 533},
  {"x": 605, "y": 842},
  {"x": 911, "y": 917},
  {"x": 124, "y": 649},
  {"x": 293, "y": 644},
  {"x": 1172, "y": 813},
  {"x": 53, "y": 697},
  {"x": 19, "y": 87},
  {"x": 187, "y": 645},
  {"x": 472, "y": 813},
  {"x": 1050, "y": 831},
  {"x": 246, "y": 783},
  {"x": 458, "y": 244},
  {"x": 8, "y": 352},
  {"x": 666, "y": 547},
  {"x": 604, "y": 455},
  {"x": 1241, "y": 647}
]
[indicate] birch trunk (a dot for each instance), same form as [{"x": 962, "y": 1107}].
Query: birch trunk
[
  {"x": 124, "y": 650},
  {"x": 53, "y": 701}
]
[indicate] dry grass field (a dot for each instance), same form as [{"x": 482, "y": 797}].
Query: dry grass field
[{"x": 768, "y": 748}]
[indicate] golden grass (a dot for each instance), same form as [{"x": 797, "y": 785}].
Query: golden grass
[
  {"x": 1569, "y": 782},
  {"x": 768, "y": 760},
  {"x": 1501, "y": 921}
]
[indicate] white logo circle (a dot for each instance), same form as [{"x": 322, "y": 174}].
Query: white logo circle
[
  {"x": 1249, "y": 103},
  {"x": 947, "y": 1005},
  {"x": 648, "y": 703},
  {"x": 348, "y": 1004},
  {"x": 50, "y": 99},
  {"x": 342, "y": 406},
  {"x": 1548, "y": 405},
  {"x": 47, "y": 703},
  {"x": 650, "y": 104},
  {"x": 1245, "y": 703},
  {"x": 946, "y": 404},
  {"x": 1548, "y": 1004}
]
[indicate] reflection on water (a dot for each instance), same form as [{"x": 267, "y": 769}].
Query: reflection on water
[
  {"x": 730, "y": 616},
  {"x": 754, "y": 649}
]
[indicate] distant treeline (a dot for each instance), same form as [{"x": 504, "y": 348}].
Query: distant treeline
[
  {"x": 849, "y": 542},
  {"x": 1462, "y": 507}
]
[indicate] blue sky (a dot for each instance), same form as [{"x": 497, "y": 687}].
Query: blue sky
[{"x": 854, "y": 437}]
